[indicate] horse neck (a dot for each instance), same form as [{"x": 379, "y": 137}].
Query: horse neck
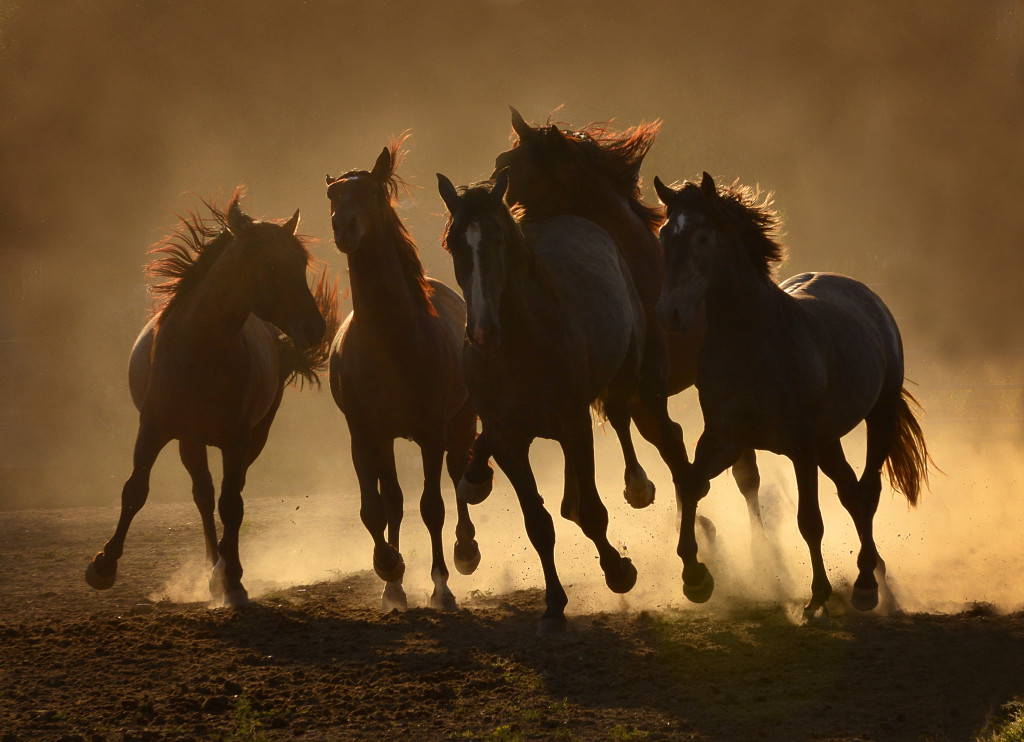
[
  {"x": 220, "y": 304},
  {"x": 381, "y": 292},
  {"x": 739, "y": 300}
]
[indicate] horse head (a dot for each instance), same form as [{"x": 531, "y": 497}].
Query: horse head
[
  {"x": 277, "y": 275},
  {"x": 479, "y": 237},
  {"x": 360, "y": 200}
]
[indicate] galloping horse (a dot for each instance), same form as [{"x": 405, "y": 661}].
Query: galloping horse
[
  {"x": 553, "y": 325},
  {"x": 396, "y": 372},
  {"x": 211, "y": 366},
  {"x": 594, "y": 173},
  {"x": 788, "y": 368}
]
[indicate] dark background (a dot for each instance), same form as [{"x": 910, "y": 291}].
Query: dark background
[{"x": 890, "y": 133}]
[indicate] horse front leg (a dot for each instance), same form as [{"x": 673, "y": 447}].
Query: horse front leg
[
  {"x": 461, "y": 432},
  {"x": 514, "y": 461},
  {"x": 432, "y": 512},
  {"x": 227, "y": 573},
  {"x": 713, "y": 455},
  {"x": 812, "y": 528},
  {"x": 193, "y": 456},
  {"x": 639, "y": 489},
  {"x": 102, "y": 570},
  {"x": 578, "y": 446},
  {"x": 477, "y": 478}
]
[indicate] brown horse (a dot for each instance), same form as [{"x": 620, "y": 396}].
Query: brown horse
[
  {"x": 788, "y": 368},
  {"x": 554, "y": 324},
  {"x": 396, "y": 372},
  {"x": 595, "y": 173},
  {"x": 211, "y": 366}
]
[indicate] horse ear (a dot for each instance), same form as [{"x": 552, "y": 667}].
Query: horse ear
[
  {"x": 237, "y": 221},
  {"x": 500, "y": 185},
  {"x": 330, "y": 179},
  {"x": 382, "y": 167},
  {"x": 554, "y": 135},
  {"x": 522, "y": 129},
  {"x": 665, "y": 193},
  {"x": 448, "y": 193},
  {"x": 291, "y": 225},
  {"x": 707, "y": 186}
]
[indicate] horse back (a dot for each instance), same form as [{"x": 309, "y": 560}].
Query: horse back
[{"x": 858, "y": 340}]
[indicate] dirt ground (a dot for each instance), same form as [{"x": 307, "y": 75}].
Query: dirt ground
[{"x": 320, "y": 661}]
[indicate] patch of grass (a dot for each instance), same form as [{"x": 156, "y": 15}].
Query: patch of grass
[
  {"x": 505, "y": 733},
  {"x": 246, "y": 722},
  {"x": 1008, "y": 729},
  {"x": 621, "y": 733}
]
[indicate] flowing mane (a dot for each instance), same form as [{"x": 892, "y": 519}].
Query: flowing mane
[
  {"x": 598, "y": 153},
  {"x": 749, "y": 211},
  {"x": 408, "y": 253},
  {"x": 181, "y": 259}
]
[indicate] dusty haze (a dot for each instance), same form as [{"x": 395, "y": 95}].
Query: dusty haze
[{"x": 891, "y": 137}]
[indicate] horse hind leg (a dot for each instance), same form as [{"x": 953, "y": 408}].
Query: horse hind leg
[
  {"x": 193, "y": 457},
  {"x": 856, "y": 499},
  {"x": 461, "y": 432},
  {"x": 639, "y": 489},
  {"x": 748, "y": 480},
  {"x": 102, "y": 570}
]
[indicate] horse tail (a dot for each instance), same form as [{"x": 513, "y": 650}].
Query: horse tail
[
  {"x": 305, "y": 366},
  {"x": 907, "y": 463}
]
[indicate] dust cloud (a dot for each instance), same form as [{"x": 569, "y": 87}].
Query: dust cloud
[{"x": 890, "y": 135}]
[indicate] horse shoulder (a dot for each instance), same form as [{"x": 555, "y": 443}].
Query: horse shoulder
[{"x": 265, "y": 378}]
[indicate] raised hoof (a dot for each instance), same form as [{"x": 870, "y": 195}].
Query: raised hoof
[
  {"x": 393, "y": 598},
  {"x": 467, "y": 556},
  {"x": 552, "y": 626},
  {"x": 622, "y": 578},
  {"x": 95, "y": 577},
  {"x": 218, "y": 580},
  {"x": 864, "y": 598},
  {"x": 639, "y": 494},
  {"x": 474, "y": 493},
  {"x": 700, "y": 591},
  {"x": 710, "y": 532},
  {"x": 236, "y": 597},
  {"x": 443, "y": 601},
  {"x": 391, "y": 566}
]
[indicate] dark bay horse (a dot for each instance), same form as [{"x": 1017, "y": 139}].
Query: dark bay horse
[
  {"x": 594, "y": 173},
  {"x": 788, "y": 368},
  {"x": 553, "y": 324},
  {"x": 211, "y": 366},
  {"x": 396, "y": 372}
]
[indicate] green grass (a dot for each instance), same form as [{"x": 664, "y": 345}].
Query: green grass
[
  {"x": 620, "y": 733},
  {"x": 1008, "y": 729}
]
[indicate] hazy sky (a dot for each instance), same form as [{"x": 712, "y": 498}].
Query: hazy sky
[{"x": 892, "y": 137}]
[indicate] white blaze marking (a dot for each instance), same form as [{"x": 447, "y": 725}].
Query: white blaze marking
[
  {"x": 680, "y": 223},
  {"x": 476, "y": 289}
]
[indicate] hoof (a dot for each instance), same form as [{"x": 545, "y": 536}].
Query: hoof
[
  {"x": 474, "y": 493},
  {"x": 391, "y": 566},
  {"x": 236, "y": 597},
  {"x": 443, "y": 601},
  {"x": 710, "y": 532},
  {"x": 552, "y": 626},
  {"x": 393, "y": 598},
  {"x": 95, "y": 573},
  {"x": 622, "y": 578},
  {"x": 864, "y": 598},
  {"x": 639, "y": 493},
  {"x": 467, "y": 556},
  {"x": 817, "y": 616},
  {"x": 218, "y": 581},
  {"x": 699, "y": 591}
]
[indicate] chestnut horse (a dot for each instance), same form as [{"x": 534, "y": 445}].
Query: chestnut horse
[
  {"x": 595, "y": 173},
  {"x": 396, "y": 372},
  {"x": 553, "y": 325},
  {"x": 788, "y": 368},
  {"x": 210, "y": 368}
]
